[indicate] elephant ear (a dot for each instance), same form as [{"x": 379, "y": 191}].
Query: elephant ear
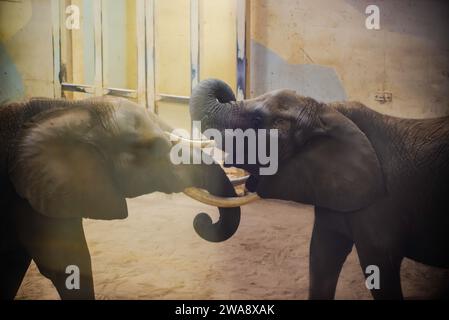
[
  {"x": 58, "y": 169},
  {"x": 337, "y": 168}
]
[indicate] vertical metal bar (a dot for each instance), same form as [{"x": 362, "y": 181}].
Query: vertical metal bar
[
  {"x": 248, "y": 50},
  {"x": 77, "y": 48},
  {"x": 194, "y": 43},
  {"x": 98, "y": 45},
  {"x": 241, "y": 49},
  {"x": 150, "y": 69},
  {"x": 56, "y": 38},
  {"x": 140, "y": 30}
]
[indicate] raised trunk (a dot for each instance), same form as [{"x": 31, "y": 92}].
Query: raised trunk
[{"x": 212, "y": 102}]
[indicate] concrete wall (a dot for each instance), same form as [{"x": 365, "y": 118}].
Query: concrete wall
[
  {"x": 26, "y": 65},
  {"x": 321, "y": 48}
]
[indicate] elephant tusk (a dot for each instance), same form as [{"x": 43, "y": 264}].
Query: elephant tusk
[
  {"x": 205, "y": 197},
  {"x": 194, "y": 143},
  {"x": 239, "y": 181}
]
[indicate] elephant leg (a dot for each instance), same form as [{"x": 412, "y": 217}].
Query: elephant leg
[
  {"x": 389, "y": 267},
  {"x": 13, "y": 266},
  {"x": 55, "y": 245},
  {"x": 380, "y": 247},
  {"x": 328, "y": 252},
  {"x": 57, "y": 263}
]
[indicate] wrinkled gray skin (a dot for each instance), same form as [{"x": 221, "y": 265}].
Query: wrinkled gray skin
[
  {"x": 377, "y": 182},
  {"x": 62, "y": 161}
]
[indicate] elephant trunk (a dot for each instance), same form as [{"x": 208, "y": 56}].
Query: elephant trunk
[
  {"x": 213, "y": 179},
  {"x": 212, "y": 102}
]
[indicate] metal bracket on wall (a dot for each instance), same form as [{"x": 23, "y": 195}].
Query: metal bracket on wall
[
  {"x": 383, "y": 96},
  {"x": 241, "y": 49},
  {"x": 165, "y": 96},
  {"x": 118, "y": 92},
  {"x": 56, "y": 42},
  {"x": 73, "y": 87},
  {"x": 194, "y": 43}
]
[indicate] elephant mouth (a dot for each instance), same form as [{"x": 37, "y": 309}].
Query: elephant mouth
[
  {"x": 251, "y": 182},
  {"x": 205, "y": 197},
  {"x": 202, "y": 195}
]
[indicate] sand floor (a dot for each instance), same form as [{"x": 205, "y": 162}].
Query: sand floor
[{"x": 155, "y": 254}]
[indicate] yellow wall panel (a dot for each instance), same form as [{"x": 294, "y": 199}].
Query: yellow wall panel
[
  {"x": 176, "y": 114},
  {"x": 172, "y": 46},
  {"x": 172, "y": 59},
  {"x": 218, "y": 40},
  {"x": 119, "y": 44},
  {"x": 172, "y": 51}
]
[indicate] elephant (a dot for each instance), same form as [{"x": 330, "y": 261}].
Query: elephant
[
  {"x": 62, "y": 161},
  {"x": 377, "y": 182}
]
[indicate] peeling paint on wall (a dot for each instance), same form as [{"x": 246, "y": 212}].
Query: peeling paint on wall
[
  {"x": 270, "y": 72},
  {"x": 27, "y": 50},
  {"x": 408, "y": 56},
  {"x": 14, "y": 15},
  {"x": 11, "y": 86}
]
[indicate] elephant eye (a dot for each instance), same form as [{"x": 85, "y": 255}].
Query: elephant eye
[
  {"x": 257, "y": 121},
  {"x": 160, "y": 146}
]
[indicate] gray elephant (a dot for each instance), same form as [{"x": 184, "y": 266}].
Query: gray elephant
[
  {"x": 377, "y": 182},
  {"x": 62, "y": 161}
]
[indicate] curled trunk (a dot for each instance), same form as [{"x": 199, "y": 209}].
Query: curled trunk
[
  {"x": 213, "y": 179},
  {"x": 211, "y": 100}
]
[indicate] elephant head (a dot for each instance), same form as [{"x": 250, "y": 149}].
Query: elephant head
[
  {"x": 324, "y": 158},
  {"x": 83, "y": 158}
]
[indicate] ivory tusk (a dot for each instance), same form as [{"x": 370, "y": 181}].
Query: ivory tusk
[
  {"x": 194, "y": 143},
  {"x": 238, "y": 181},
  {"x": 205, "y": 197}
]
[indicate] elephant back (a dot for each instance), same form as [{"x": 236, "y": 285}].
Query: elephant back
[{"x": 13, "y": 116}]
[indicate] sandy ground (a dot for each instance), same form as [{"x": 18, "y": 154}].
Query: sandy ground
[{"x": 155, "y": 254}]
